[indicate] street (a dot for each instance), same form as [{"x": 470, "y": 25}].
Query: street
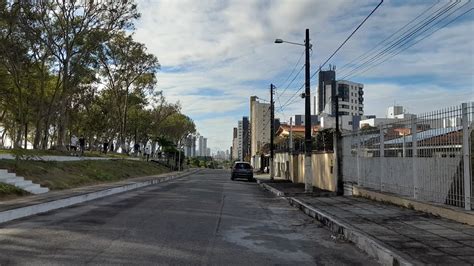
[{"x": 201, "y": 219}]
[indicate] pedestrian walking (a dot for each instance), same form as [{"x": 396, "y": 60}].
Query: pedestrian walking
[
  {"x": 73, "y": 145},
  {"x": 147, "y": 153},
  {"x": 106, "y": 145},
  {"x": 136, "y": 149},
  {"x": 82, "y": 144}
]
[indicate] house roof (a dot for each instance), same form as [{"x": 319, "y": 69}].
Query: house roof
[{"x": 424, "y": 135}]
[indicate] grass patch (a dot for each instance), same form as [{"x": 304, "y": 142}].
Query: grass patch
[
  {"x": 9, "y": 191},
  {"x": 65, "y": 175}
]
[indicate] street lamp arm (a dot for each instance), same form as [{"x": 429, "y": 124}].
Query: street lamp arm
[{"x": 282, "y": 41}]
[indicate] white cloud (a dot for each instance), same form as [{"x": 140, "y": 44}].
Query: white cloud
[{"x": 227, "y": 46}]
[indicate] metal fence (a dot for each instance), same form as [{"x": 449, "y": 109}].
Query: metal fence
[{"x": 426, "y": 157}]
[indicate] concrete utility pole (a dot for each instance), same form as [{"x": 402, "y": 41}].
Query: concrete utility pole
[
  {"x": 308, "y": 173},
  {"x": 272, "y": 131}
]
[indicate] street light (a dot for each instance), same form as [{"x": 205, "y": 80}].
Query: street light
[
  {"x": 295, "y": 43},
  {"x": 308, "y": 178}
]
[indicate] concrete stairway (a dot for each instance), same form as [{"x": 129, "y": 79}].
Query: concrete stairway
[{"x": 20, "y": 182}]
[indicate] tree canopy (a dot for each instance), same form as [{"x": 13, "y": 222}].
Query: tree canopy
[{"x": 73, "y": 68}]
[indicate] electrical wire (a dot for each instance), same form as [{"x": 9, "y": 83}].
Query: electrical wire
[
  {"x": 409, "y": 36},
  {"x": 419, "y": 40},
  {"x": 334, "y": 53},
  {"x": 362, "y": 56}
]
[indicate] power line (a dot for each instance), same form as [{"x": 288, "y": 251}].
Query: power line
[
  {"x": 292, "y": 71},
  {"x": 296, "y": 93},
  {"x": 395, "y": 50},
  {"x": 389, "y": 37},
  {"x": 334, "y": 53},
  {"x": 409, "y": 36},
  {"x": 400, "y": 51},
  {"x": 353, "y": 32}
]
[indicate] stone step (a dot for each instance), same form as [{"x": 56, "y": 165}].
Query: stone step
[
  {"x": 10, "y": 180},
  {"x": 23, "y": 184},
  {"x": 7, "y": 175},
  {"x": 36, "y": 189},
  {"x": 20, "y": 182}
]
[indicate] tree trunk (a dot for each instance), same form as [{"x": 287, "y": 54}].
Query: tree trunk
[
  {"x": 62, "y": 121},
  {"x": 37, "y": 138},
  {"x": 17, "y": 143}
]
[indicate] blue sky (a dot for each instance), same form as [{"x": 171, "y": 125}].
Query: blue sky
[{"x": 216, "y": 54}]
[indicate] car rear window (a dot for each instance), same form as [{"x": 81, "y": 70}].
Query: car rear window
[{"x": 242, "y": 166}]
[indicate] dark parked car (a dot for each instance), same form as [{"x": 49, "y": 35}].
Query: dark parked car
[{"x": 242, "y": 170}]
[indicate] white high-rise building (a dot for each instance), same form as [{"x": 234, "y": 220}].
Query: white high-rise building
[
  {"x": 200, "y": 146},
  {"x": 204, "y": 148},
  {"x": 351, "y": 97}
]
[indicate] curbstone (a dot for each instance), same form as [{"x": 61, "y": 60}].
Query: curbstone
[
  {"x": 22, "y": 212},
  {"x": 374, "y": 248},
  {"x": 273, "y": 190}
]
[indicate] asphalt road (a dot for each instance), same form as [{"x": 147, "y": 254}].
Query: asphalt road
[{"x": 202, "y": 219}]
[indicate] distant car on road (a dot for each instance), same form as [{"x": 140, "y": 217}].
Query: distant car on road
[{"x": 242, "y": 170}]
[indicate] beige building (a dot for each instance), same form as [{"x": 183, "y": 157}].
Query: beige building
[
  {"x": 235, "y": 144},
  {"x": 259, "y": 126}
]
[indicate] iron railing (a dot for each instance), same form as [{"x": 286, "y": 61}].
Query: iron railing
[{"x": 426, "y": 157}]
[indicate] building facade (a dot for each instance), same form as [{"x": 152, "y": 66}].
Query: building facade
[
  {"x": 204, "y": 151},
  {"x": 351, "y": 98},
  {"x": 245, "y": 138},
  {"x": 235, "y": 144},
  {"x": 326, "y": 88},
  {"x": 299, "y": 120},
  {"x": 200, "y": 146},
  {"x": 259, "y": 125}
]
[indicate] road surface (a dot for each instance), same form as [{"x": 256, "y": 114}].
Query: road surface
[{"x": 202, "y": 219}]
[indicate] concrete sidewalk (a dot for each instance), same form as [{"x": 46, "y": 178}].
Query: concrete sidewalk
[
  {"x": 35, "y": 204},
  {"x": 61, "y": 158},
  {"x": 392, "y": 234}
]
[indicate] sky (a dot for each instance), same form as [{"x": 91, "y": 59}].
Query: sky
[{"x": 214, "y": 55}]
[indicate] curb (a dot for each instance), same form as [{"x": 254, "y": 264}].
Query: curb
[
  {"x": 372, "y": 247},
  {"x": 294, "y": 194},
  {"x": 273, "y": 190},
  {"x": 22, "y": 212}
]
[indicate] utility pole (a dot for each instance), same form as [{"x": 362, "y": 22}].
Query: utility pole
[
  {"x": 308, "y": 175},
  {"x": 336, "y": 148},
  {"x": 291, "y": 136},
  {"x": 272, "y": 131}
]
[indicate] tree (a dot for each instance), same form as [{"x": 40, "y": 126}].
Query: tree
[
  {"x": 125, "y": 66},
  {"x": 71, "y": 31}
]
